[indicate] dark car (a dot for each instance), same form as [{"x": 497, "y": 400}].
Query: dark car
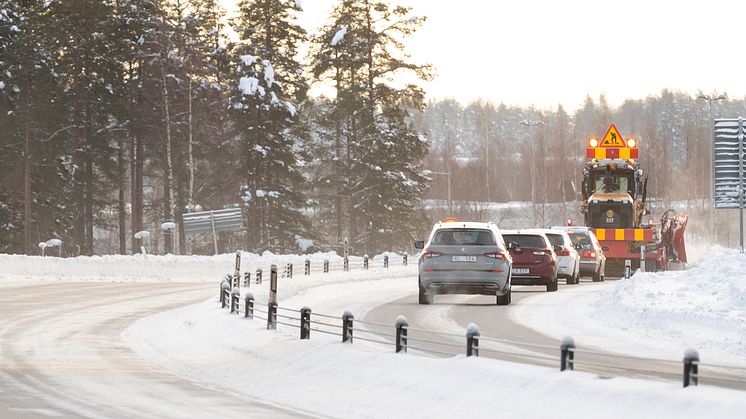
[
  {"x": 534, "y": 260},
  {"x": 592, "y": 258}
]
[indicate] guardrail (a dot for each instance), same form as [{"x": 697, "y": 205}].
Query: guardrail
[
  {"x": 403, "y": 338},
  {"x": 310, "y": 267}
]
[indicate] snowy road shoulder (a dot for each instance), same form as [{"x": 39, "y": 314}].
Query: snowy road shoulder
[
  {"x": 325, "y": 377},
  {"x": 654, "y": 314}
]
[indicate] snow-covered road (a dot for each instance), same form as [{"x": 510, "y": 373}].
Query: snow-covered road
[{"x": 63, "y": 355}]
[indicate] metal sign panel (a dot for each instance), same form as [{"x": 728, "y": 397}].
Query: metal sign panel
[
  {"x": 208, "y": 221},
  {"x": 729, "y": 163}
]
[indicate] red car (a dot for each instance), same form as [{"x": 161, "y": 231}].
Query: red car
[{"x": 534, "y": 259}]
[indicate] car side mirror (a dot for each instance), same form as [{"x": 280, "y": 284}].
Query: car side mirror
[
  {"x": 578, "y": 246},
  {"x": 557, "y": 248},
  {"x": 605, "y": 248},
  {"x": 419, "y": 244}
]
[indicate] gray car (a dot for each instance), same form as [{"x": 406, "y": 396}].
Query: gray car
[{"x": 464, "y": 258}]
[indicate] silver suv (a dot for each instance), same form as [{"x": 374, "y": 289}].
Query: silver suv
[{"x": 464, "y": 258}]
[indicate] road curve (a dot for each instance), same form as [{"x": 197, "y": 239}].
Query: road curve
[
  {"x": 453, "y": 313},
  {"x": 62, "y": 355}
]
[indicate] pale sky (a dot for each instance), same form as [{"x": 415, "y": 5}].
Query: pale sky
[{"x": 545, "y": 52}]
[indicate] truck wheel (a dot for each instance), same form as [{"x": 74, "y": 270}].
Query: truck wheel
[
  {"x": 552, "y": 286},
  {"x": 503, "y": 300},
  {"x": 425, "y": 297}
]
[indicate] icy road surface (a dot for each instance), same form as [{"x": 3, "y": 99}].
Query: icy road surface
[{"x": 62, "y": 355}]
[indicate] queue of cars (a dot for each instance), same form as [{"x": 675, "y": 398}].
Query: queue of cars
[{"x": 479, "y": 258}]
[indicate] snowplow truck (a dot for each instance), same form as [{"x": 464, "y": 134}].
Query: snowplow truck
[{"x": 614, "y": 207}]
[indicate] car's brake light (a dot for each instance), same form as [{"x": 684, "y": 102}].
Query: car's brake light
[
  {"x": 589, "y": 254},
  {"x": 429, "y": 254},
  {"x": 563, "y": 252},
  {"x": 497, "y": 255}
]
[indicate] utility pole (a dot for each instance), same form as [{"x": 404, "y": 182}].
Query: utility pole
[{"x": 711, "y": 177}]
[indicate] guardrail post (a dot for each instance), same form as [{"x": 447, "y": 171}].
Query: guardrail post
[
  {"x": 258, "y": 276},
  {"x": 401, "y": 334},
  {"x": 326, "y": 266},
  {"x": 346, "y": 265},
  {"x": 307, "y": 270},
  {"x": 305, "y": 323},
  {"x": 237, "y": 271},
  {"x": 271, "y": 316},
  {"x": 386, "y": 261},
  {"x": 365, "y": 262},
  {"x": 247, "y": 279},
  {"x": 235, "y": 294},
  {"x": 691, "y": 367},
  {"x": 472, "y": 340},
  {"x": 642, "y": 258},
  {"x": 273, "y": 284},
  {"x": 404, "y": 259},
  {"x": 223, "y": 287},
  {"x": 627, "y": 269},
  {"x": 248, "y": 306},
  {"x": 347, "y": 319},
  {"x": 567, "y": 354}
]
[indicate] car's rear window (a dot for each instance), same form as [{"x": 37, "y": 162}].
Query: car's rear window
[
  {"x": 556, "y": 239},
  {"x": 464, "y": 237},
  {"x": 580, "y": 237},
  {"x": 525, "y": 240}
]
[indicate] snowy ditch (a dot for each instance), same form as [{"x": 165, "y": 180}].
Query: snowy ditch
[
  {"x": 655, "y": 314},
  {"x": 156, "y": 268}
]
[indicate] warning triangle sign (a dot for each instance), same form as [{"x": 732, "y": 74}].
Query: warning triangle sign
[{"x": 612, "y": 138}]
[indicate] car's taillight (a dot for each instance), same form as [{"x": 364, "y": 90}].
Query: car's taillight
[
  {"x": 589, "y": 254},
  {"x": 429, "y": 254},
  {"x": 497, "y": 255},
  {"x": 563, "y": 252}
]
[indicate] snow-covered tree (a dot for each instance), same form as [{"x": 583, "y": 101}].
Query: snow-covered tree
[
  {"x": 379, "y": 181},
  {"x": 264, "y": 111}
]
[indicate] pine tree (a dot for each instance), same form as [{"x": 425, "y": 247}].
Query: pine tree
[
  {"x": 31, "y": 105},
  {"x": 264, "y": 112},
  {"x": 377, "y": 151}
]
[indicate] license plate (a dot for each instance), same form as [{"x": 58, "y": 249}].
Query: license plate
[
  {"x": 464, "y": 259},
  {"x": 519, "y": 271}
]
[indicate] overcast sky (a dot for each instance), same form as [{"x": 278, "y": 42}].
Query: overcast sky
[{"x": 545, "y": 52}]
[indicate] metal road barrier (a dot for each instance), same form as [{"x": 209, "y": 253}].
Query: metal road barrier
[{"x": 404, "y": 338}]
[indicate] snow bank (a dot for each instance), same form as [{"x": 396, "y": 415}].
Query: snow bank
[
  {"x": 148, "y": 268},
  {"x": 655, "y": 314},
  {"x": 324, "y": 377}
]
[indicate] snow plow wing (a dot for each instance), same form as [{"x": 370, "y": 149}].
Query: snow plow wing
[{"x": 673, "y": 226}]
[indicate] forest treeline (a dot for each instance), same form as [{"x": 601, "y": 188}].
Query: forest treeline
[
  {"x": 124, "y": 114},
  {"x": 119, "y": 115}
]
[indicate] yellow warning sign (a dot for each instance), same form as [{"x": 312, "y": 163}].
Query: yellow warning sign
[{"x": 612, "y": 138}]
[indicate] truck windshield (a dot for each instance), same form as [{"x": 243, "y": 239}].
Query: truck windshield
[{"x": 612, "y": 182}]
